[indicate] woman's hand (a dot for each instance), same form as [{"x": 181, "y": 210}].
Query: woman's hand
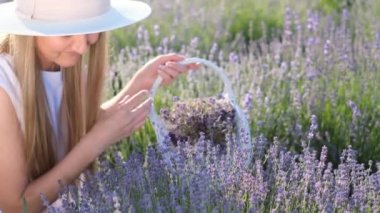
[
  {"x": 122, "y": 118},
  {"x": 127, "y": 111},
  {"x": 167, "y": 66}
]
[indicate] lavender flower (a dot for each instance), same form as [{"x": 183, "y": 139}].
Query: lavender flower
[
  {"x": 313, "y": 127},
  {"x": 355, "y": 110},
  {"x": 247, "y": 102},
  {"x": 186, "y": 119},
  {"x": 378, "y": 40},
  {"x": 194, "y": 43},
  {"x": 233, "y": 57},
  {"x": 283, "y": 180}
]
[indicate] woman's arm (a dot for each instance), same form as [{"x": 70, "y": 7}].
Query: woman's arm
[
  {"x": 126, "y": 112},
  {"x": 166, "y": 66},
  {"x": 128, "y": 115}
]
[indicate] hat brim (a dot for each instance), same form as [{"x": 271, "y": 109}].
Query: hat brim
[{"x": 122, "y": 13}]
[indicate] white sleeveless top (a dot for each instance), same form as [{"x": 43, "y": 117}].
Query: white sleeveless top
[{"x": 53, "y": 85}]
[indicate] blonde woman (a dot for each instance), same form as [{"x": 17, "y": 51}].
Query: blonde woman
[{"x": 53, "y": 125}]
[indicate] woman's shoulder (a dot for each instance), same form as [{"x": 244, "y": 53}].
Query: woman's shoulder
[
  {"x": 9, "y": 84},
  {"x": 6, "y": 69},
  {"x": 5, "y": 61},
  {"x": 8, "y": 76}
]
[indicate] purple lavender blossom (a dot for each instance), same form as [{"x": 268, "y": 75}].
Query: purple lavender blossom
[
  {"x": 326, "y": 48},
  {"x": 194, "y": 43},
  {"x": 233, "y": 57},
  {"x": 186, "y": 119},
  {"x": 198, "y": 181},
  {"x": 213, "y": 51},
  {"x": 247, "y": 102},
  {"x": 355, "y": 110},
  {"x": 313, "y": 127}
]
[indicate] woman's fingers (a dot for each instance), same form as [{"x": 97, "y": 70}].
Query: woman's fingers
[
  {"x": 171, "y": 70},
  {"x": 134, "y": 113},
  {"x": 143, "y": 107},
  {"x": 166, "y": 78},
  {"x": 124, "y": 99},
  {"x": 177, "y": 66},
  {"x": 168, "y": 66},
  {"x": 162, "y": 59},
  {"x": 130, "y": 103},
  {"x": 139, "y": 115},
  {"x": 193, "y": 66}
]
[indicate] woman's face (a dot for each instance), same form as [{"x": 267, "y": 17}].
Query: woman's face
[{"x": 55, "y": 52}]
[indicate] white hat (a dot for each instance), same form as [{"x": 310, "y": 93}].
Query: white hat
[{"x": 69, "y": 17}]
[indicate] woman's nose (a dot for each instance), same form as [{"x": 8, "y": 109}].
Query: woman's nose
[{"x": 79, "y": 44}]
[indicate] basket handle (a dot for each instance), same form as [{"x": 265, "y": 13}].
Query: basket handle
[{"x": 243, "y": 130}]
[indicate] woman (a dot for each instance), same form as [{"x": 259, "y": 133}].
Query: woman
[{"x": 53, "y": 125}]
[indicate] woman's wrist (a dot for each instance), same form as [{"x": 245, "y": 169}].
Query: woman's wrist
[
  {"x": 95, "y": 142},
  {"x": 141, "y": 82}
]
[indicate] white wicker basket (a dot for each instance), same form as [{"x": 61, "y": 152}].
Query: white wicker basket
[{"x": 242, "y": 131}]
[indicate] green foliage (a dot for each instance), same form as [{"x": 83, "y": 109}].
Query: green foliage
[
  {"x": 333, "y": 6},
  {"x": 343, "y": 127},
  {"x": 338, "y": 127},
  {"x": 220, "y": 21},
  {"x": 330, "y": 6},
  {"x": 252, "y": 20}
]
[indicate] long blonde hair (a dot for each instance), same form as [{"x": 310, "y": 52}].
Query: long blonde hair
[{"x": 82, "y": 90}]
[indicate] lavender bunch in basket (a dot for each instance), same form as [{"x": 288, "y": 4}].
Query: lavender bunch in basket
[{"x": 212, "y": 117}]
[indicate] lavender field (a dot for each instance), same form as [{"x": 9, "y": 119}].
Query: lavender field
[{"x": 306, "y": 77}]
